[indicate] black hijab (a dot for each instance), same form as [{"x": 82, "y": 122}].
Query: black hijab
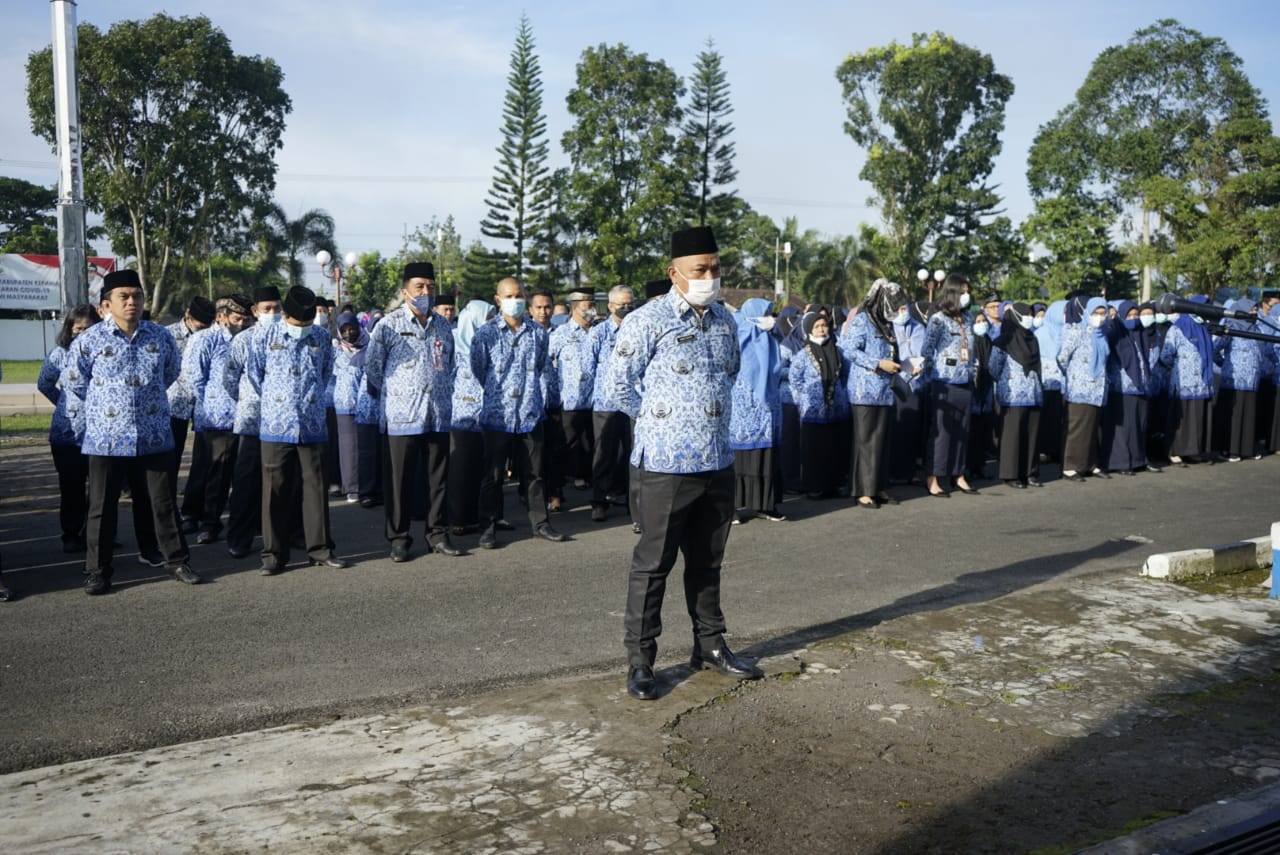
[
  {"x": 1022, "y": 345},
  {"x": 826, "y": 356},
  {"x": 881, "y": 306}
]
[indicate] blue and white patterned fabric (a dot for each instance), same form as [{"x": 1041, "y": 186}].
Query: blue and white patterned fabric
[
  {"x": 1014, "y": 387},
  {"x": 571, "y": 355},
  {"x": 1186, "y": 375},
  {"x": 61, "y": 431},
  {"x": 509, "y": 365},
  {"x": 805, "y": 379},
  {"x": 863, "y": 348},
  {"x": 236, "y": 383},
  {"x": 468, "y": 394},
  {"x": 785, "y": 354},
  {"x": 944, "y": 339},
  {"x": 550, "y": 379},
  {"x": 182, "y": 402},
  {"x": 290, "y": 376},
  {"x": 1118, "y": 380},
  {"x": 910, "y": 338},
  {"x": 756, "y": 420},
  {"x": 348, "y": 379},
  {"x": 203, "y": 364},
  {"x": 604, "y": 336},
  {"x": 1244, "y": 362},
  {"x": 673, "y": 372},
  {"x": 1050, "y": 337},
  {"x": 409, "y": 368},
  {"x": 117, "y": 389},
  {"x": 1083, "y": 385}
]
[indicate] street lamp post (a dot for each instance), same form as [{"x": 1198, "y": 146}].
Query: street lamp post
[
  {"x": 786, "y": 278},
  {"x": 938, "y": 276},
  {"x": 331, "y": 268},
  {"x": 923, "y": 276}
]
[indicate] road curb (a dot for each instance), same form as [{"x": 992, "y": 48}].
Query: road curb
[{"x": 1252, "y": 554}]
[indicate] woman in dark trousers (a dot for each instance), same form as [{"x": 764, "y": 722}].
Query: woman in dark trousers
[
  {"x": 948, "y": 357},
  {"x": 1155, "y": 326},
  {"x": 1049, "y": 337},
  {"x": 1188, "y": 355},
  {"x": 1015, "y": 370},
  {"x": 1083, "y": 360},
  {"x": 1124, "y": 420},
  {"x": 871, "y": 349},
  {"x": 983, "y": 415},
  {"x": 907, "y": 448},
  {"x": 1244, "y": 362},
  {"x": 817, "y": 375}
]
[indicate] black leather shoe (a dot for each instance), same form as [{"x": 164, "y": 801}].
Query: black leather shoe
[
  {"x": 96, "y": 583},
  {"x": 546, "y": 532},
  {"x": 503, "y": 525},
  {"x": 727, "y": 663},
  {"x": 189, "y": 525},
  {"x": 1034, "y": 482},
  {"x": 399, "y": 553},
  {"x": 369, "y": 502},
  {"x": 156, "y": 560},
  {"x": 238, "y": 551},
  {"x": 205, "y": 537},
  {"x": 1101, "y": 473},
  {"x": 489, "y": 539},
  {"x": 186, "y": 575},
  {"x": 1074, "y": 476},
  {"x": 445, "y": 547},
  {"x": 1017, "y": 485},
  {"x": 636, "y": 529},
  {"x": 5, "y": 594},
  {"x": 270, "y": 570},
  {"x": 641, "y": 683},
  {"x": 332, "y": 561}
]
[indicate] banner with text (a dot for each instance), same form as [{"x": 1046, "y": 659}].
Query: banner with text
[{"x": 30, "y": 282}]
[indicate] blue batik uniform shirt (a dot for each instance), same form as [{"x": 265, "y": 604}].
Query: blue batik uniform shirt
[
  {"x": 509, "y": 365},
  {"x": 409, "y": 368},
  {"x": 203, "y": 364},
  {"x": 673, "y": 371},
  {"x": 61, "y": 431},
  {"x": 117, "y": 389},
  {"x": 601, "y": 348},
  {"x": 235, "y": 381},
  {"x": 290, "y": 376},
  {"x": 182, "y": 402},
  {"x": 571, "y": 355}
]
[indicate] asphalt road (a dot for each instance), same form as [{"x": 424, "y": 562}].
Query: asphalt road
[{"x": 156, "y": 662}]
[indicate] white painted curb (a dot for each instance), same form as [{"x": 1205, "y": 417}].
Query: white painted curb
[{"x": 1253, "y": 554}]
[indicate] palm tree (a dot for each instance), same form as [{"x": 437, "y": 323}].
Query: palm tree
[
  {"x": 281, "y": 240},
  {"x": 839, "y": 273}
]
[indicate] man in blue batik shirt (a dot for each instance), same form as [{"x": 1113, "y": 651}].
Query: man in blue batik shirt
[
  {"x": 610, "y": 425},
  {"x": 409, "y": 369},
  {"x": 203, "y": 363},
  {"x": 289, "y": 368},
  {"x": 116, "y": 379},
  {"x": 199, "y": 317},
  {"x": 508, "y": 357},
  {"x": 571, "y": 355},
  {"x": 674, "y": 365}
]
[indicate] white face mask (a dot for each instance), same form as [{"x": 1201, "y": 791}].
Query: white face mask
[
  {"x": 1146, "y": 320},
  {"x": 322, "y": 319},
  {"x": 1162, "y": 318},
  {"x": 766, "y": 323},
  {"x": 268, "y": 320},
  {"x": 1038, "y": 322},
  {"x": 901, "y": 318},
  {"x": 1025, "y": 322},
  {"x": 1095, "y": 321},
  {"x": 819, "y": 339},
  {"x": 512, "y": 307},
  {"x": 296, "y": 331},
  {"x": 980, "y": 329},
  {"x": 964, "y": 301},
  {"x": 701, "y": 292}
]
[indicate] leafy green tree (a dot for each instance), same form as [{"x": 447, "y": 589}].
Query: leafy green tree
[
  {"x": 27, "y": 222},
  {"x": 281, "y": 240},
  {"x": 1139, "y": 121},
  {"x": 438, "y": 241},
  {"x": 519, "y": 197},
  {"x": 625, "y": 191},
  {"x": 838, "y": 273},
  {"x": 1075, "y": 231},
  {"x": 708, "y": 128},
  {"x": 179, "y": 134},
  {"x": 929, "y": 115},
  {"x": 555, "y": 245},
  {"x": 374, "y": 283}
]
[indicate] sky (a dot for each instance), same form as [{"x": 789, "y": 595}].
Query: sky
[{"x": 397, "y": 104}]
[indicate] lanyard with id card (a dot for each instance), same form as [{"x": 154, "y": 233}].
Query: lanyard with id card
[{"x": 964, "y": 344}]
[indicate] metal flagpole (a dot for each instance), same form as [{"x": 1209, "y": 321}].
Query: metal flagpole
[{"x": 72, "y": 270}]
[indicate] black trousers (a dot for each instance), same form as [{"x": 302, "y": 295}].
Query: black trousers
[
  {"x": 73, "y": 489},
  {"x": 106, "y": 476},
  {"x": 244, "y": 520},
  {"x": 284, "y": 467},
  {"x": 790, "y": 455},
  {"x": 981, "y": 437},
  {"x": 905, "y": 449},
  {"x": 1081, "y": 452},
  {"x": 197, "y": 478},
  {"x": 690, "y": 514},
  {"x": 871, "y": 450},
  {"x": 1052, "y": 414},
  {"x": 348, "y": 442},
  {"x": 332, "y": 463},
  {"x": 403, "y": 455},
  {"x": 1266, "y": 412},
  {"x": 1237, "y": 422},
  {"x": 369, "y": 449},
  {"x": 525, "y": 451},
  {"x": 1124, "y": 433},
  {"x": 610, "y": 465},
  {"x": 1019, "y": 443},
  {"x": 220, "y": 457},
  {"x": 553, "y": 454},
  {"x": 1190, "y": 424},
  {"x": 570, "y": 453},
  {"x": 466, "y": 473},
  {"x": 947, "y": 451}
]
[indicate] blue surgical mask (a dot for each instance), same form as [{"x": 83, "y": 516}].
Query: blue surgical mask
[
  {"x": 1162, "y": 318},
  {"x": 1146, "y": 320},
  {"x": 268, "y": 320},
  {"x": 901, "y": 318},
  {"x": 512, "y": 307},
  {"x": 297, "y": 331},
  {"x": 981, "y": 329},
  {"x": 1131, "y": 323},
  {"x": 1038, "y": 322},
  {"x": 423, "y": 303}
]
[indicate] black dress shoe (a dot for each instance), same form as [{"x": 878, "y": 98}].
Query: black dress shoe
[
  {"x": 941, "y": 494},
  {"x": 727, "y": 663},
  {"x": 546, "y": 532},
  {"x": 1101, "y": 473},
  {"x": 5, "y": 594},
  {"x": 189, "y": 525},
  {"x": 1125, "y": 472},
  {"x": 205, "y": 537},
  {"x": 489, "y": 539},
  {"x": 96, "y": 583},
  {"x": 238, "y": 551},
  {"x": 968, "y": 491},
  {"x": 1017, "y": 485},
  {"x": 332, "y": 561},
  {"x": 635, "y": 528},
  {"x": 186, "y": 575},
  {"x": 270, "y": 570},
  {"x": 872, "y": 505},
  {"x": 641, "y": 683},
  {"x": 1034, "y": 482},
  {"x": 1074, "y": 476},
  {"x": 503, "y": 525},
  {"x": 370, "y": 502},
  {"x": 399, "y": 553},
  {"x": 445, "y": 547}
]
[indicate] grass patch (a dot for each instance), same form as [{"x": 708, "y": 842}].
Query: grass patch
[
  {"x": 26, "y": 423},
  {"x": 1246, "y": 583},
  {"x": 21, "y": 370}
]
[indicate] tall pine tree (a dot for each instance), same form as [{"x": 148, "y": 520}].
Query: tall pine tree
[
  {"x": 519, "y": 197},
  {"x": 708, "y": 130}
]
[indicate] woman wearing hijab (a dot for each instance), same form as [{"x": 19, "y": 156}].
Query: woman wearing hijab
[
  {"x": 1124, "y": 420},
  {"x": 358, "y": 462},
  {"x": 1015, "y": 369},
  {"x": 1155, "y": 326},
  {"x": 1244, "y": 362},
  {"x": 817, "y": 377},
  {"x": 982, "y": 416},
  {"x": 1188, "y": 354},
  {"x": 72, "y": 466},
  {"x": 466, "y": 441},
  {"x": 907, "y": 447},
  {"x": 1049, "y": 337},
  {"x": 791, "y": 340},
  {"x": 756, "y": 418},
  {"x": 1083, "y": 359},
  {"x": 871, "y": 349},
  {"x": 948, "y": 356}
]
